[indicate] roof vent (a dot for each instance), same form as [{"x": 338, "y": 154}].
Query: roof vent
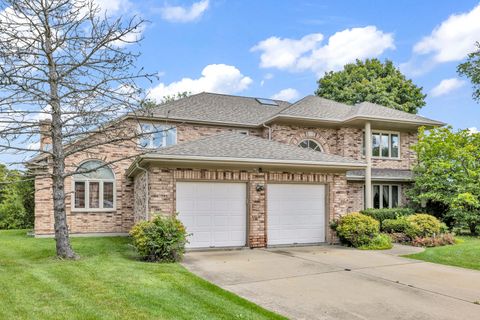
[{"x": 268, "y": 102}]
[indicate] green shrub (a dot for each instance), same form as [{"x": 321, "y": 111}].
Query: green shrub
[
  {"x": 399, "y": 225},
  {"x": 356, "y": 229},
  {"x": 379, "y": 242},
  {"x": 422, "y": 225},
  {"x": 387, "y": 213},
  {"x": 161, "y": 239}
]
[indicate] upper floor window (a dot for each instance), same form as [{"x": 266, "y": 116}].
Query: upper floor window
[
  {"x": 384, "y": 144},
  {"x": 93, "y": 187},
  {"x": 310, "y": 144},
  {"x": 157, "y": 136}
]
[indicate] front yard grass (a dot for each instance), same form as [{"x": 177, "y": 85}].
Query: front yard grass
[
  {"x": 465, "y": 254},
  {"x": 107, "y": 283}
]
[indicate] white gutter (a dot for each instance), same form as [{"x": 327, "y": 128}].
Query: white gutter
[
  {"x": 269, "y": 131},
  {"x": 146, "y": 189}
]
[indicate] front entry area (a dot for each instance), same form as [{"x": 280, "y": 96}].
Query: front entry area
[
  {"x": 214, "y": 213},
  {"x": 295, "y": 214}
]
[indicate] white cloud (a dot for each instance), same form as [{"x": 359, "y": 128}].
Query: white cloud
[
  {"x": 453, "y": 39},
  {"x": 473, "y": 130},
  {"x": 288, "y": 94},
  {"x": 114, "y": 6},
  {"x": 220, "y": 78},
  {"x": 308, "y": 53},
  {"x": 181, "y": 14},
  {"x": 446, "y": 86}
]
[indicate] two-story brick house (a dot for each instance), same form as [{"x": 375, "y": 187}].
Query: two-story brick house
[{"x": 243, "y": 171}]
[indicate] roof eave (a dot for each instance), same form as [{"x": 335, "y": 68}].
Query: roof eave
[
  {"x": 362, "y": 178},
  {"x": 231, "y": 161}
]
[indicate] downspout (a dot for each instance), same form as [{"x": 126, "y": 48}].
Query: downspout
[
  {"x": 146, "y": 190},
  {"x": 269, "y": 131}
]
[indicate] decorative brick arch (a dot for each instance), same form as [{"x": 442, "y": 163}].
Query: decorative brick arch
[
  {"x": 310, "y": 135},
  {"x": 82, "y": 157}
]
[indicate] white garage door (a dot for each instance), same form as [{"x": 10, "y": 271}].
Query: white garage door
[
  {"x": 296, "y": 213},
  {"x": 214, "y": 213}
]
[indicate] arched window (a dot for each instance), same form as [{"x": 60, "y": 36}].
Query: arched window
[
  {"x": 310, "y": 144},
  {"x": 94, "y": 187}
]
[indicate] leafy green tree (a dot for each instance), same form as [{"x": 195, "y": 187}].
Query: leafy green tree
[
  {"x": 16, "y": 199},
  {"x": 372, "y": 81},
  {"x": 12, "y": 212},
  {"x": 448, "y": 175},
  {"x": 471, "y": 69}
]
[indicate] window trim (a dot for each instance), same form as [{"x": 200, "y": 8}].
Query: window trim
[
  {"x": 164, "y": 142},
  {"x": 314, "y": 141},
  {"x": 381, "y": 185},
  {"x": 383, "y": 132},
  {"x": 87, "y": 192}
]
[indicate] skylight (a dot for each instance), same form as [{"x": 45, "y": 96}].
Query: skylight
[{"x": 268, "y": 102}]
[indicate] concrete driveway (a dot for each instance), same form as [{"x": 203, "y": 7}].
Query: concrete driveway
[{"x": 332, "y": 282}]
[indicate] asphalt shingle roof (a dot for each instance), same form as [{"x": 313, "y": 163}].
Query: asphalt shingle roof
[
  {"x": 240, "y": 146},
  {"x": 212, "y": 107},
  {"x": 237, "y": 110},
  {"x": 382, "y": 174},
  {"x": 323, "y": 109}
]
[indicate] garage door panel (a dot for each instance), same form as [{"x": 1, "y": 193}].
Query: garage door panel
[
  {"x": 296, "y": 213},
  {"x": 214, "y": 213}
]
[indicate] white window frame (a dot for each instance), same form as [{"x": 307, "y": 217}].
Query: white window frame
[
  {"x": 383, "y": 132},
  {"x": 161, "y": 127},
  {"x": 381, "y": 185},
  {"x": 87, "y": 181},
  {"x": 314, "y": 141}
]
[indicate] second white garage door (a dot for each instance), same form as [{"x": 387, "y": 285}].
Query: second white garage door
[
  {"x": 296, "y": 213},
  {"x": 214, "y": 213}
]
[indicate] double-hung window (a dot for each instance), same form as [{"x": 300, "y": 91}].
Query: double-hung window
[
  {"x": 384, "y": 144},
  {"x": 93, "y": 187},
  {"x": 154, "y": 136}
]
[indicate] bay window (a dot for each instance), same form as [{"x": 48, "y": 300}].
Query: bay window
[{"x": 93, "y": 187}]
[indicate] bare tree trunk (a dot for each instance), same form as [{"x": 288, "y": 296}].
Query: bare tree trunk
[{"x": 64, "y": 249}]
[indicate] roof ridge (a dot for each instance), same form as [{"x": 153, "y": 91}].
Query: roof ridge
[{"x": 237, "y": 96}]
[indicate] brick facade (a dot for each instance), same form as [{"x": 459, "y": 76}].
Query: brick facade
[
  {"x": 162, "y": 193},
  {"x": 344, "y": 196}
]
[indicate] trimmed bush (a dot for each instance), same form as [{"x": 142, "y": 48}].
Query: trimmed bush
[
  {"x": 161, "y": 239},
  {"x": 399, "y": 225},
  {"x": 422, "y": 225},
  {"x": 387, "y": 213},
  {"x": 356, "y": 229},
  {"x": 441, "y": 240},
  {"x": 379, "y": 242}
]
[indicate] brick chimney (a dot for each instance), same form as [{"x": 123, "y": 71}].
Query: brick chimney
[{"x": 45, "y": 127}]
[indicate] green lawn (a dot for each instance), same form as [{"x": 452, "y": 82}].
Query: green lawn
[
  {"x": 106, "y": 283},
  {"x": 465, "y": 254}
]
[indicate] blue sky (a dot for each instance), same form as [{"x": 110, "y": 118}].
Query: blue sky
[{"x": 259, "y": 48}]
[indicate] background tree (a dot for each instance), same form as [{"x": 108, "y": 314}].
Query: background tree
[
  {"x": 68, "y": 62},
  {"x": 372, "y": 81},
  {"x": 448, "y": 175},
  {"x": 16, "y": 199},
  {"x": 471, "y": 69}
]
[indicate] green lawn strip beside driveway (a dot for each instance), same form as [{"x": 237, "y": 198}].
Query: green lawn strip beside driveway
[
  {"x": 465, "y": 254},
  {"x": 108, "y": 282}
]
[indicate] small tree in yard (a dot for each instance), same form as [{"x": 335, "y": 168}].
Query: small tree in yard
[
  {"x": 68, "y": 62},
  {"x": 448, "y": 174}
]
